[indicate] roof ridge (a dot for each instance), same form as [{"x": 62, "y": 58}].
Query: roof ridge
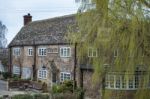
[{"x": 53, "y": 18}]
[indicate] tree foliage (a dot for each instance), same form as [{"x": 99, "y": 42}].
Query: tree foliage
[
  {"x": 3, "y": 31},
  {"x": 121, "y": 25}
]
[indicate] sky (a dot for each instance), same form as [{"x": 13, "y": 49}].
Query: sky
[{"x": 12, "y": 12}]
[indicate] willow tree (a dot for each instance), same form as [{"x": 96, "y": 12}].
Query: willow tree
[{"x": 116, "y": 26}]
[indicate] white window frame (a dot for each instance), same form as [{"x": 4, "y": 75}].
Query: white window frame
[
  {"x": 111, "y": 81},
  {"x": 118, "y": 82},
  {"x": 63, "y": 74},
  {"x": 65, "y": 51},
  {"x": 26, "y": 72},
  {"x": 42, "y": 51},
  {"x": 30, "y": 51},
  {"x": 16, "y": 51},
  {"x": 92, "y": 52},
  {"x": 125, "y": 83},
  {"x": 16, "y": 70},
  {"x": 42, "y": 74}
]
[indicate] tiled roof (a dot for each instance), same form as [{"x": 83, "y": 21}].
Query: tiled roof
[{"x": 49, "y": 31}]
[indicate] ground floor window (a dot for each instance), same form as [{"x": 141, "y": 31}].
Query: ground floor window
[
  {"x": 65, "y": 76},
  {"x": 26, "y": 72},
  {"x": 111, "y": 81},
  {"x": 122, "y": 82},
  {"x": 131, "y": 83},
  {"x": 118, "y": 82},
  {"x": 42, "y": 74},
  {"x": 16, "y": 70}
]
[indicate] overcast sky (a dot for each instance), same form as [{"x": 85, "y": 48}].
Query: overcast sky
[{"x": 12, "y": 11}]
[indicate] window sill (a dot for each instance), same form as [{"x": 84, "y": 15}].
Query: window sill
[
  {"x": 30, "y": 55},
  {"x": 42, "y": 78},
  {"x": 65, "y": 56},
  {"x": 122, "y": 88},
  {"x": 42, "y": 55}
]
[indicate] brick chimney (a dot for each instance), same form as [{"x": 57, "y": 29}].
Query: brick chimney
[{"x": 27, "y": 19}]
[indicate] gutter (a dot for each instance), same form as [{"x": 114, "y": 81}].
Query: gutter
[
  {"x": 34, "y": 63},
  {"x": 10, "y": 61}
]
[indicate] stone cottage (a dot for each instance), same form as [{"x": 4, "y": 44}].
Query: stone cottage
[{"x": 40, "y": 51}]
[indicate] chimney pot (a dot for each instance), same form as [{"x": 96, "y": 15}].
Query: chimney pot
[{"x": 27, "y": 19}]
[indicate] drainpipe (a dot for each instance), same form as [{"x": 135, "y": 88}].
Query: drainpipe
[
  {"x": 10, "y": 61},
  {"x": 75, "y": 63},
  {"x": 34, "y": 63}
]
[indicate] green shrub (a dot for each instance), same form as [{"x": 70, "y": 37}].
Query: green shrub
[
  {"x": 6, "y": 75},
  {"x": 80, "y": 93},
  {"x": 15, "y": 77},
  {"x": 28, "y": 79},
  {"x": 41, "y": 96},
  {"x": 65, "y": 96},
  {"x": 66, "y": 86},
  {"x": 57, "y": 89},
  {"x": 25, "y": 96},
  {"x": 65, "y": 91}
]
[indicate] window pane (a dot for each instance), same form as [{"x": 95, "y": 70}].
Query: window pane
[
  {"x": 124, "y": 82},
  {"x": 112, "y": 81},
  {"x": 65, "y": 76},
  {"x": 131, "y": 82},
  {"x": 42, "y": 74},
  {"x": 65, "y": 52},
  {"x": 107, "y": 81},
  {"x": 117, "y": 81}
]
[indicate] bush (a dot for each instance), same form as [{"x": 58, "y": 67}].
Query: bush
[
  {"x": 40, "y": 96},
  {"x": 15, "y": 77},
  {"x": 6, "y": 75},
  {"x": 66, "y": 86},
  {"x": 65, "y": 96},
  {"x": 65, "y": 91},
  {"x": 57, "y": 89},
  {"x": 25, "y": 96},
  {"x": 80, "y": 93}
]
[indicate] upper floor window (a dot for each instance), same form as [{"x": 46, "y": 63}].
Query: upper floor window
[
  {"x": 65, "y": 76},
  {"x": 42, "y": 74},
  {"x": 16, "y": 51},
  {"x": 65, "y": 52},
  {"x": 42, "y": 51},
  {"x": 30, "y": 51},
  {"x": 52, "y": 50},
  {"x": 92, "y": 52}
]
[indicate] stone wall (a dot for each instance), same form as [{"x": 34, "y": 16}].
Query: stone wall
[
  {"x": 63, "y": 64},
  {"x": 85, "y": 80}
]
